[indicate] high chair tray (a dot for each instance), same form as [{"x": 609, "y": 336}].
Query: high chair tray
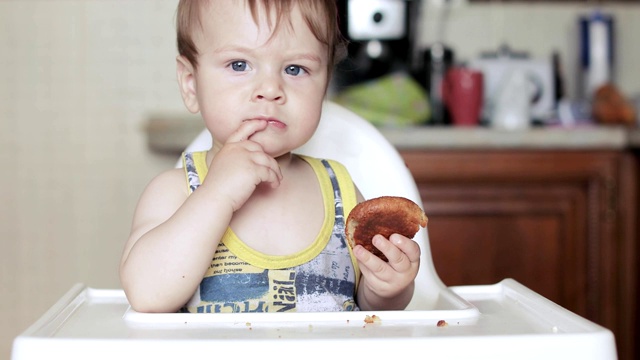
[{"x": 506, "y": 321}]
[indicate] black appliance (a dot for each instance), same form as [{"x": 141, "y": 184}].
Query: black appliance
[{"x": 381, "y": 38}]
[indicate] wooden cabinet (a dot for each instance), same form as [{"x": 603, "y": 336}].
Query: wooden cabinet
[{"x": 560, "y": 222}]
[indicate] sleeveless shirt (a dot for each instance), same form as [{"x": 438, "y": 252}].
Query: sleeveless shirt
[{"x": 322, "y": 277}]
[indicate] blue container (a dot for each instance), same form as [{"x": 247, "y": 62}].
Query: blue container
[{"x": 596, "y": 51}]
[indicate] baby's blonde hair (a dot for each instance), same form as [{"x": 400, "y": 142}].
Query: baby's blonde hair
[{"x": 320, "y": 15}]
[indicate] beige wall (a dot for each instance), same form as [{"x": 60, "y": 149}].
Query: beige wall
[{"x": 78, "y": 79}]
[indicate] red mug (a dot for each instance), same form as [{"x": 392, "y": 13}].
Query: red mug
[{"x": 462, "y": 93}]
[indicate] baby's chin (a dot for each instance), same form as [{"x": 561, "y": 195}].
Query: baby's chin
[
  {"x": 274, "y": 150},
  {"x": 274, "y": 147}
]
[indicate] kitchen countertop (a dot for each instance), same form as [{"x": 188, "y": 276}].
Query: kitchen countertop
[
  {"x": 541, "y": 138},
  {"x": 173, "y": 134}
]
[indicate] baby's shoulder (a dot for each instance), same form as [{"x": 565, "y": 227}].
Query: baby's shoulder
[{"x": 169, "y": 182}]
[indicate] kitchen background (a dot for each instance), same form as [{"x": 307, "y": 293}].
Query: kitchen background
[{"x": 79, "y": 80}]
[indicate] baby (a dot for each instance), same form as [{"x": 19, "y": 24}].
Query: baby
[{"x": 249, "y": 226}]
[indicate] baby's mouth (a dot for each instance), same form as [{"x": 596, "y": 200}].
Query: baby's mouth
[
  {"x": 272, "y": 121},
  {"x": 276, "y": 123}
]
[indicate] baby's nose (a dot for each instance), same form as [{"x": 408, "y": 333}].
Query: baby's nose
[{"x": 269, "y": 88}]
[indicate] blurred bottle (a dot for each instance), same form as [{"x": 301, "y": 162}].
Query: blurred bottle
[
  {"x": 596, "y": 51},
  {"x": 437, "y": 60}
]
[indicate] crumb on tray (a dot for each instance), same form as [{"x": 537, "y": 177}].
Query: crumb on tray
[{"x": 372, "y": 319}]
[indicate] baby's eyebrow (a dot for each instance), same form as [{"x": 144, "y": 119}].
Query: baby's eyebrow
[
  {"x": 308, "y": 56},
  {"x": 311, "y": 56},
  {"x": 232, "y": 48}
]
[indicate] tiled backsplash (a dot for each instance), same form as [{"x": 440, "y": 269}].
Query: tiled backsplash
[{"x": 78, "y": 80}]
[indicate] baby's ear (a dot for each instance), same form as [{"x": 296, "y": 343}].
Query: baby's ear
[{"x": 187, "y": 83}]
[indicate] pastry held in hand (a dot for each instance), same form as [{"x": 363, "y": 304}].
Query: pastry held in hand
[{"x": 385, "y": 215}]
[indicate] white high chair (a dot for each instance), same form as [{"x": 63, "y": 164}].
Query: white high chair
[{"x": 500, "y": 321}]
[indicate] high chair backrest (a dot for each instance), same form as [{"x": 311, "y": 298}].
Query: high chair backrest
[{"x": 376, "y": 168}]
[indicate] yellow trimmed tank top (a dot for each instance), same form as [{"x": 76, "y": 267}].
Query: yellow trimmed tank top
[{"x": 322, "y": 277}]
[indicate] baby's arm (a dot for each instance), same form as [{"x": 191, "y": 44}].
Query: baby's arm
[
  {"x": 171, "y": 243},
  {"x": 174, "y": 236}
]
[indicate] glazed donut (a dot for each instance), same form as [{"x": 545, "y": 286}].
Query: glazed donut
[{"x": 384, "y": 215}]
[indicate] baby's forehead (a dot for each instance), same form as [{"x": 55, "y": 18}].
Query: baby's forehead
[
  {"x": 265, "y": 15},
  {"x": 277, "y": 13}
]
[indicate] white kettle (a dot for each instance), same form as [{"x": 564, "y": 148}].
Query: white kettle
[{"x": 512, "y": 102}]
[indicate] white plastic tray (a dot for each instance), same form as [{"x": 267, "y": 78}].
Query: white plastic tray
[
  {"x": 444, "y": 304},
  {"x": 505, "y": 321}
]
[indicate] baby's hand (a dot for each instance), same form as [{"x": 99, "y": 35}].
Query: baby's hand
[
  {"x": 241, "y": 165},
  {"x": 391, "y": 279}
]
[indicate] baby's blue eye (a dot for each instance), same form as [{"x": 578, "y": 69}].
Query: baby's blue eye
[
  {"x": 294, "y": 70},
  {"x": 239, "y": 66}
]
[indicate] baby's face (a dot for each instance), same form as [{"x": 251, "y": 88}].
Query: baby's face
[{"x": 246, "y": 72}]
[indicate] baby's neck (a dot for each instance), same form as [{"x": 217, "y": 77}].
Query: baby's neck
[{"x": 285, "y": 160}]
